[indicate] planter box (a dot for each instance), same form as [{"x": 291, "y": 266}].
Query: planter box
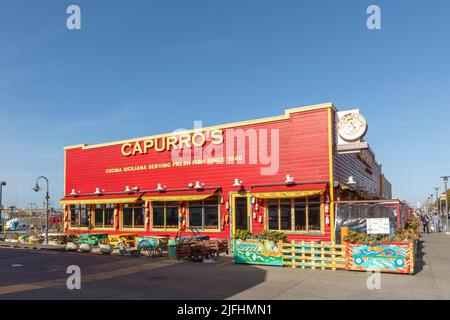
[
  {"x": 262, "y": 252},
  {"x": 385, "y": 257}
]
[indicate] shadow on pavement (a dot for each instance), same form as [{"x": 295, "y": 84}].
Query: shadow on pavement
[{"x": 419, "y": 259}]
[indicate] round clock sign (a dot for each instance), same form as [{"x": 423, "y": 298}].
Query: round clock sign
[{"x": 352, "y": 126}]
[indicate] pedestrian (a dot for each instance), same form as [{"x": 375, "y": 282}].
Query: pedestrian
[
  {"x": 425, "y": 223},
  {"x": 436, "y": 222}
]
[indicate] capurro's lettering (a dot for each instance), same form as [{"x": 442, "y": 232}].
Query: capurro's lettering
[{"x": 161, "y": 144}]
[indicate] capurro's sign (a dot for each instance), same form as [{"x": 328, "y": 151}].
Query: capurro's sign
[
  {"x": 230, "y": 146},
  {"x": 197, "y": 139}
]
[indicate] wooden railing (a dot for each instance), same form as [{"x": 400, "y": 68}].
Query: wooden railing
[{"x": 314, "y": 255}]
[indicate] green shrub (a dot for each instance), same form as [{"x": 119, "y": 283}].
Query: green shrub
[
  {"x": 242, "y": 234},
  {"x": 274, "y": 236}
]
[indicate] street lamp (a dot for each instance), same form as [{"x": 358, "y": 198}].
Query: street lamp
[
  {"x": 47, "y": 197},
  {"x": 445, "y": 178},
  {"x": 436, "y": 189},
  {"x": 3, "y": 183},
  {"x": 431, "y": 203}
]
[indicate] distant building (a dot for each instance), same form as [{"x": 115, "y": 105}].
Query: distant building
[{"x": 386, "y": 188}]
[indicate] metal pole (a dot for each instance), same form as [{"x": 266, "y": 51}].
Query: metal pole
[
  {"x": 1, "y": 207},
  {"x": 446, "y": 205},
  {"x": 47, "y": 197},
  {"x": 437, "y": 200}
]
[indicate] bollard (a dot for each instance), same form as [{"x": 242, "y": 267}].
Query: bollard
[{"x": 344, "y": 232}]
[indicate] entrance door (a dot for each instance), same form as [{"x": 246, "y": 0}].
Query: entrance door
[{"x": 241, "y": 214}]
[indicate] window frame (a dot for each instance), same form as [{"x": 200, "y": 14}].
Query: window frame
[
  {"x": 292, "y": 230},
  {"x": 164, "y": 228},
  {"x": 88, "y": 212},
  {"x": 122, "y": 210},
  {"x": 103, "y": 208},
  {"x": 203, "y": 205}
]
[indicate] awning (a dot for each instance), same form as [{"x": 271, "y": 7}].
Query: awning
[
  {"x": 101, "y": 199},
  {"x": 288, "y": 191},
  {"x": 186, "y": 195}
]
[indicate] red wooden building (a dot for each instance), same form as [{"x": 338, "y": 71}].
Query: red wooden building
[{"x": 279, "y": 173}]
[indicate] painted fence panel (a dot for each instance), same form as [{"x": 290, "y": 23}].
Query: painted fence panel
[
  {"x": 388, "y": 257},
  {"x": 314, "y": 255},
  {"x": 257, "y": 252}
]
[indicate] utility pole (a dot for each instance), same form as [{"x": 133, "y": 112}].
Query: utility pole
[{"x": 445, "y": 178}]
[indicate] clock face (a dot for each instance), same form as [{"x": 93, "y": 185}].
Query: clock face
[{"x": 352, "y": 126}]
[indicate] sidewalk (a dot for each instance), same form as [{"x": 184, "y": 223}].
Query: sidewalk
[{"x": 431, "y": 281}]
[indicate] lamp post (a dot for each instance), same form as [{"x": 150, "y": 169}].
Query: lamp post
[
  {"x": 445, "y": 178},
  {"x": 3, "y": 183},
  {"x": 47, "y": 197},
  {"x": 436, "y": 189},
  {"x": 431, "y": 203}
]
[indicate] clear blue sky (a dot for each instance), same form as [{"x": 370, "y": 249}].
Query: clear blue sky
[{"x": 144, "y": 67}]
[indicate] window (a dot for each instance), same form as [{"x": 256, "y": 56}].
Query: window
[
  {"x": 165, "y": 215},
  {"x": 299, "y": 214},
  {"x": 133, "y": 215},
  {"x": 104, "y": 216},
  {"x": 204, "y": 214},
  {"x": 79, "y": 216}
]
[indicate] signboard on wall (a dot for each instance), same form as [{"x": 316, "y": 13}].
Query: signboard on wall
[
  {"x": 378, "y": 226},
  {"x": 351, "y": 127}
]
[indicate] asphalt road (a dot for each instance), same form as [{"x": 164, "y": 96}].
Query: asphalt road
[{"x": 42, "y": 275}]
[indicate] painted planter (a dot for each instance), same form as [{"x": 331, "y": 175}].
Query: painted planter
[
  {"x": 106, "y": 248},
  {"x": 85, "y": 247},
  {"x": 71, "y": 246},
  {"x": 261, "y": 252},
  {"x": 385, "y": 257}
]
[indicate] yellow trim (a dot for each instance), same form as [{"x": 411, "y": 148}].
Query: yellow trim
[
  {"x": 233, "y": 210},
  {"x": 331, "y": 173},
  {"x": 286, "y": 194},
  {"x": 100, "y": 201},
  {"x": 285, "y": 116},
  {"x": 65, "y": 186},
  {"x": 178, "y": 198}
]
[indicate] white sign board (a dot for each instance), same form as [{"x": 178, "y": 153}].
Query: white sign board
[{"x": 378, "y": 226}]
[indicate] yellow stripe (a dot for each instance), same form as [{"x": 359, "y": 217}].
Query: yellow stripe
[
  {"x": 286, "y": 194},
  {"x": 331, "y": 172},
  {"x": 99, "y": 201}
]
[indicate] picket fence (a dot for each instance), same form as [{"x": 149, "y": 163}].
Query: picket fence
[{"x": 314, "y": 255}]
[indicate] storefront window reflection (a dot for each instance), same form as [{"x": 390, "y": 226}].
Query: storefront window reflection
[
  {"x": 165, "y": 215},
  {"x": 204, "y": 214},
  {"x": 299, "y": 214},
  {"x": 79, "y": 216},
  {"x": 104, "y": 216},
  {"x": 133, "y": 215}
]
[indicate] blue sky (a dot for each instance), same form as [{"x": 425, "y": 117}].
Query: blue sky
[{"x": 144, "y": 67}]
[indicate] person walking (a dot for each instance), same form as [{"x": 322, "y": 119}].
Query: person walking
[
  {"x": 426, "y": 223},
  {"x": 436, "y": 222}
]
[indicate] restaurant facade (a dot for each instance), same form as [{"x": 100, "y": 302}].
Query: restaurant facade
[{"x": 281, "y": 173}]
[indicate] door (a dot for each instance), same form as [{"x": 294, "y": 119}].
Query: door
[{"x": 241, "y": 214}]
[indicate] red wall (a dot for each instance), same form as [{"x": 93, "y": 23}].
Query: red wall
[{"x": 303, "y": 154}]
